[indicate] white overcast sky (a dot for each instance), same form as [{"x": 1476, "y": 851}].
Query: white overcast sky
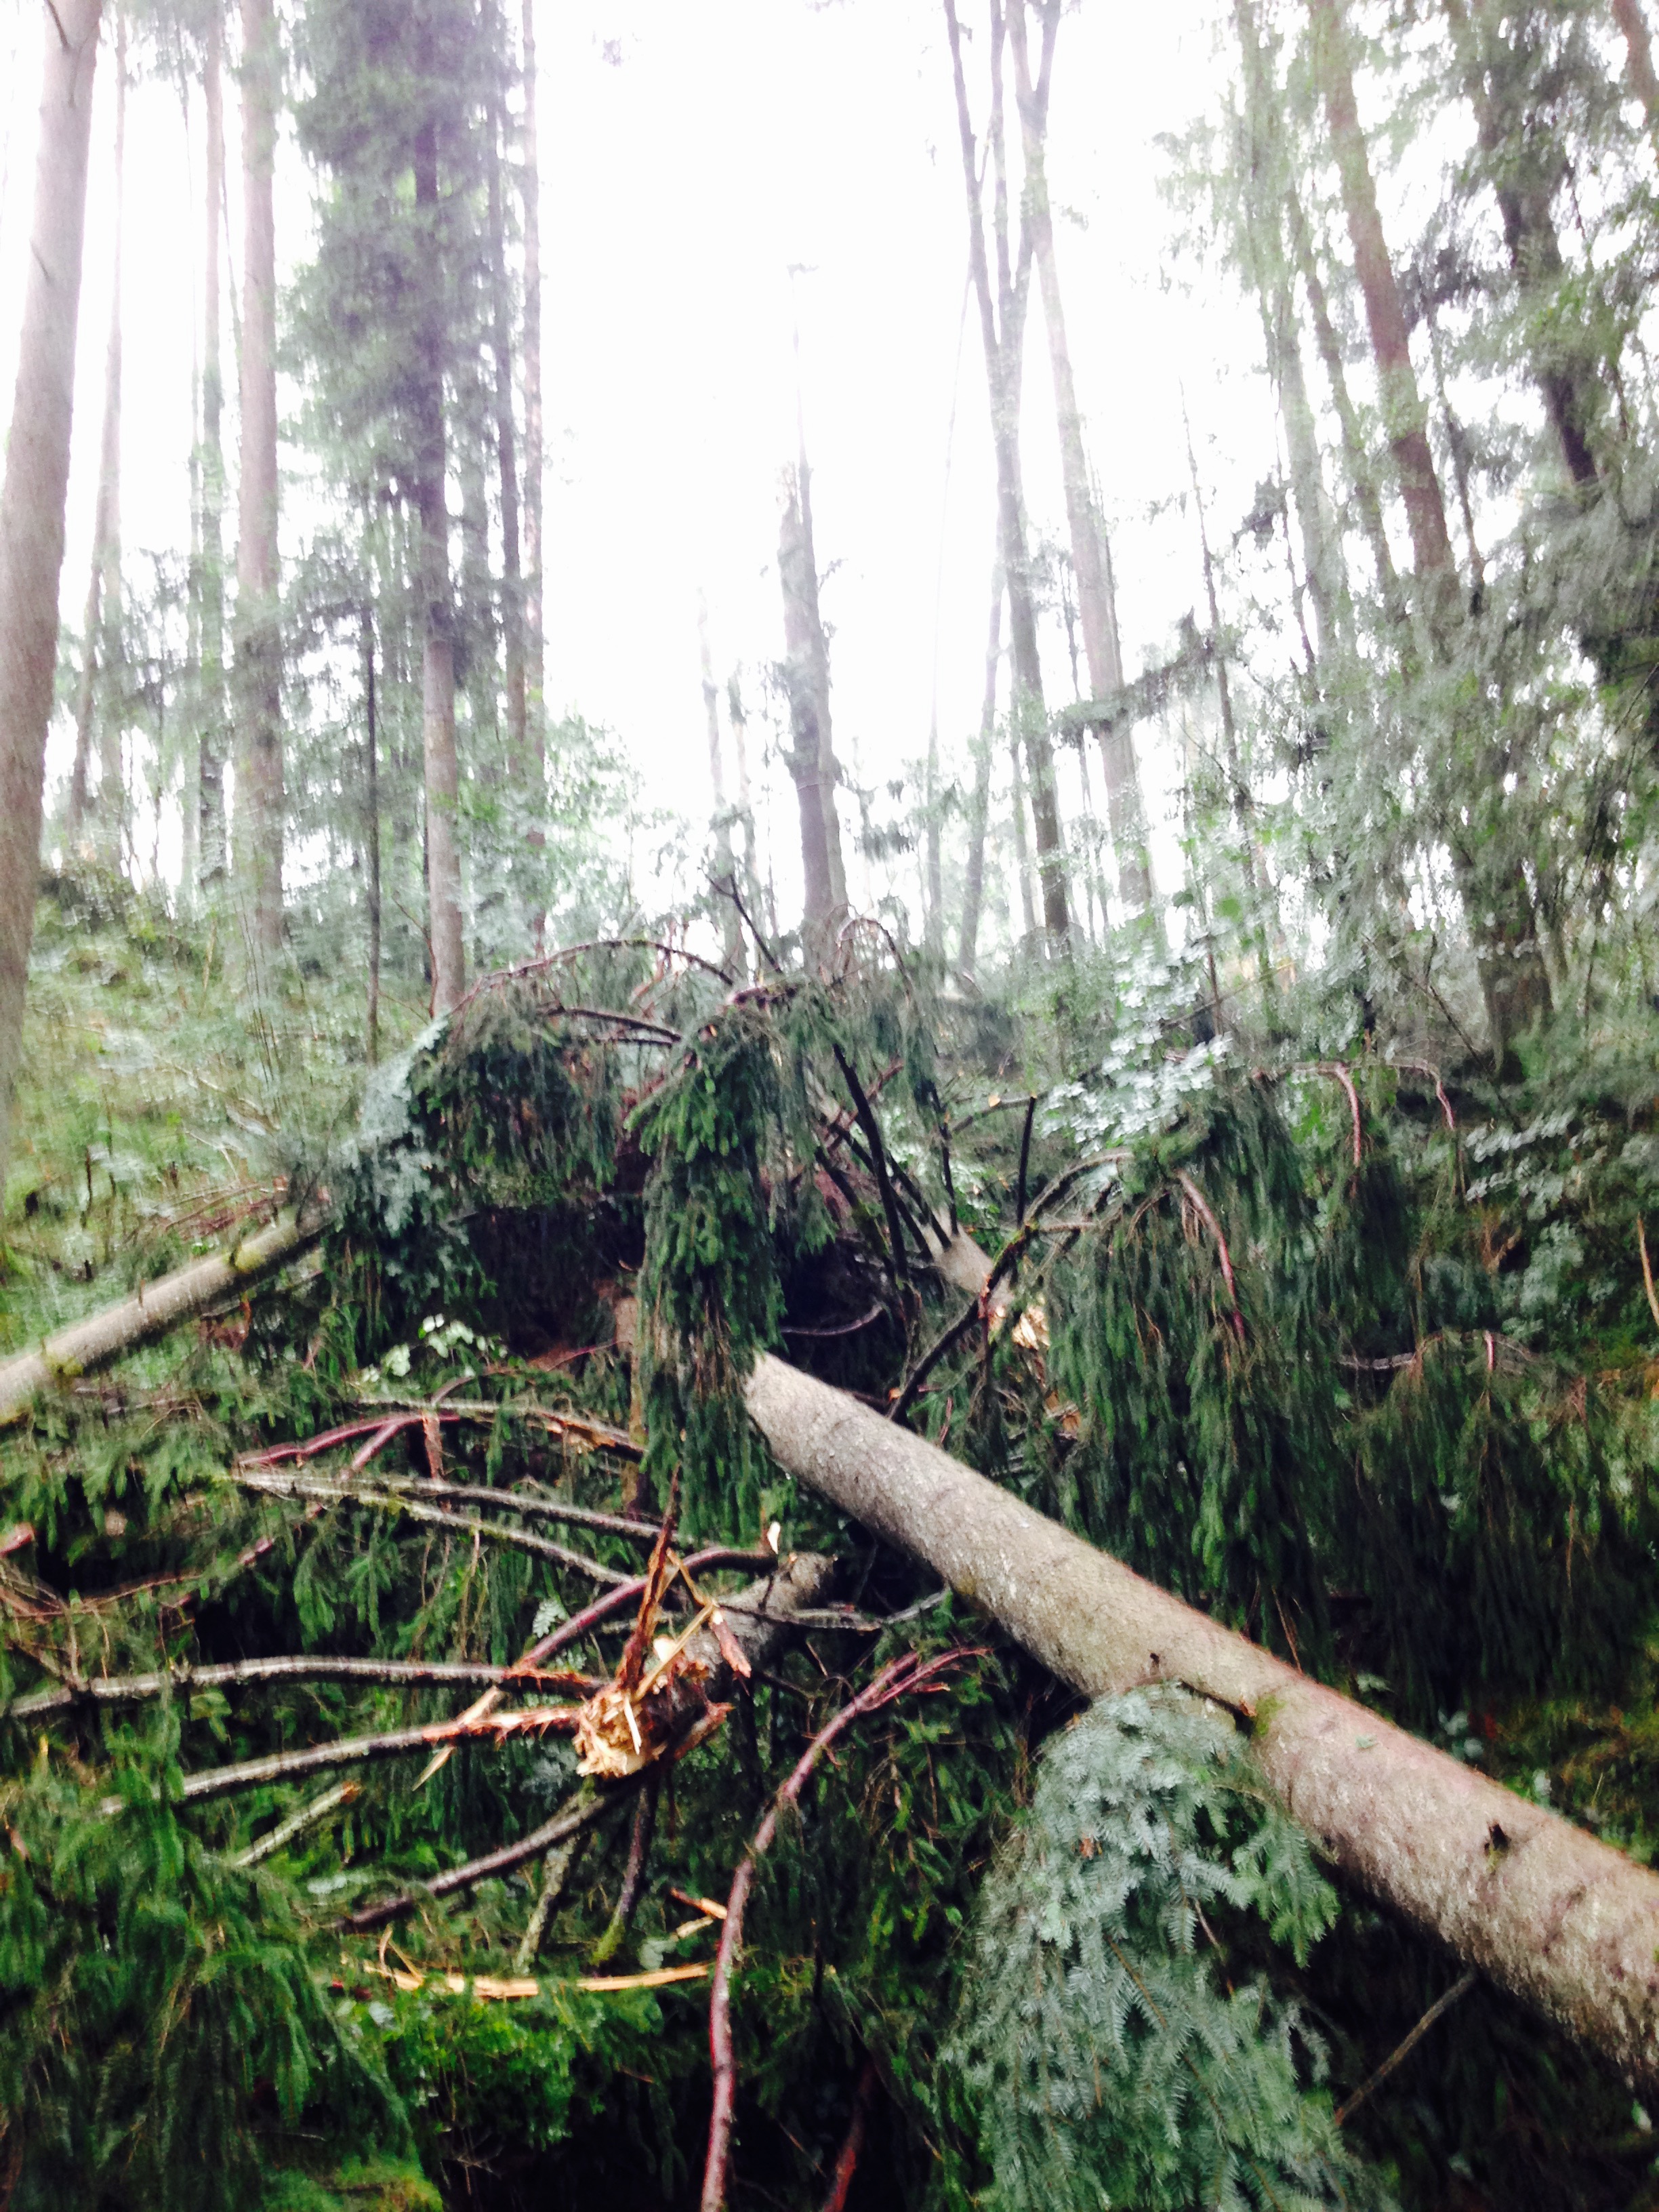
[{"x": 692, "y": 152}]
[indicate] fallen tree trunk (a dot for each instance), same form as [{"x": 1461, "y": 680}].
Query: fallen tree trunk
[
  {"x": 1541, "y": 1908},
  {"x": 152, "y": 1311}
]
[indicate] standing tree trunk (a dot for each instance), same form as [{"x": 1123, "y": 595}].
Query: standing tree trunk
[
  {"x": 100, "y": 655},
  {"x": 1566, "y": 378},
  {"x": 1002, "y": 330},
  {"x": 442, "y": 774},
  {"x": 1125, "y": 807},
  {"x": 1403, "y": 410},
  {"x": 1261, "y": 164},
  {"x": 1639, "y": 56},
  {"x": 507, "y": 455},
  {"x": 1366, "y": 499},
  {"x": 31, "y": 502},
  {"x": 211, "y": 849},
  {"x": 535, "y": 701},
  {"x": 258, "y": 574},
  {"x": 371, "y": 830},
  {"x": 731, "y": 929},
  {"x": 805, "y": 678}
]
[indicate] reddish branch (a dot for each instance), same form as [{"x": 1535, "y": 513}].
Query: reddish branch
[
  {"x": 1206, "y": 1213},
  {"x": 906, "y": 1674},
  {"x": 853, "y": 2142},
  {"x": 1338, "y": 1073},
  {"x": 1426, "y": 1067}
]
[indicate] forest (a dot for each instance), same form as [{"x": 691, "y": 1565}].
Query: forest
[{"x": 890, "y": 1437}]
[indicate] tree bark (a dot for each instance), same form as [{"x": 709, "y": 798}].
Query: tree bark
[
  {"x": 732, "y": 928},
  {"x": 1402, "y": 406},
  {"x": 506, "y": 457},
  {"x": 1263, "y": 169},
  {"x": 371, "y": 832},
  {"x": 536, "y": 711},
  {"x": 1638, "y": 58},
  {"x": 1360, "y": 477},
  {"x": 1002, "y": 332},
  {"x": 101, "y": 653},
  {"x": 211, "y": 845},
  {"x": 1565, "y": 378},
  {"x": 32, "y": 502},
  {"x": 85, "y": 1345},
  {"x": 258, "y": 573},
  {"x": 807, "y": 682},
  {"x": 1126, "y": 809},
  {"x": 973, "y": 894},
  {"x": 1559, "y": 1920},
  {"x": 442, "y": 773}
]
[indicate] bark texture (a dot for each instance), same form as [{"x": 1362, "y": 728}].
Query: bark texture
[
  {"x": 212, "y": 850},
  {"x": 100, "y": 650},
  {"x": 807, "y": 682},
  {"x": 442, "y": 773},
  {"x": 1545, "y": 1911},
  {"x": 1126, "y": 809},
  {"x": 1002, "y": 333},
  {"x": 1402, "y": 404},
  {"x": 258, "y": 578},
  {"x": 87, "y": 1345},
  {"x": 32, "y": 502}
]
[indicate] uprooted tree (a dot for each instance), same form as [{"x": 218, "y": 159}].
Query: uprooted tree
[{"x": 477, "y": 1660}]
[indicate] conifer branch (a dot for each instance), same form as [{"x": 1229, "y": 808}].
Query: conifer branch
[
  {"x": 114, "y": 1691},
  {"x": 907, "y": 1674},
  {"x": 361, "y": 1750}
]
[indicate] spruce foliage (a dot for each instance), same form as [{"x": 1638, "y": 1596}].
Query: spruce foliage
[{"x": 1111, "y": 2057}]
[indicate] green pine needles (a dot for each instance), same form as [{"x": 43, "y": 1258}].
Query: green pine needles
[{"x": 1117, "y": 2054}]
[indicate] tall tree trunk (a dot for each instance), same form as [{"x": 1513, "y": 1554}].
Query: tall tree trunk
[
  {"x": 32, "y": 502},
  {"x": 1361, "y": 479},
  {"x": 739, "y": 721},
  {"x": 1263, "y": 166},
  {"x": 534, "y": 655},
  {"x": 507, "y": 455},
  {"x": 973, "y": 894},
  {"x": 1638, "y": 58},
  {"x": 732, "y": 930},
  {"x": 371, "y": 831},
  {"x": 1002, "y": 330},
  {"x": 97, "y": 704},
  {"x": 1402, "y": 406},
  {"x": 933, "y": 849},
  {"x": 1125, "y": 807},
  {"x": 798, "y": 579},
  {"x": 258, "y": 575},
  {"x": 212, "y": 855},
  {"x": 1565, "y": 376},
  {"x": 442, "y": 774}
]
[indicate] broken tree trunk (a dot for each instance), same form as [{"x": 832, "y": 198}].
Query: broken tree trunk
[
  {"x": 152, "y": 1309},
  {"x": 1542, "y": 1909}
]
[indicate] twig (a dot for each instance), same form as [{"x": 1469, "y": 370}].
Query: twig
[
  {"x": 872, "y": 1129},
  {"x": 1024, "y": 1162},
  {"x": 639, "y": 1855},
  {"x": 906, "y": 1674},
  {"x": 571, "y": 1820},
  {"x": 485, "y": 1409},
  {"x": 976, "y": 1309},
  {"x": 517, "y": 1540},
  {"x": 1402, "y": 2051},
  {"x": 531, "y": 1503},
  {"x": 853, "y": 2142},
  {"x": 557, "y": 1870},
  {"x": 728, "y": 889},
  {"x": 846, "y": 1327},
  {"x": 1647, "y": 1269},
  {"x": 1202, "y": 1208},
  {"x": 309, "y": 1816},
  {"x": 1426, "y": 1067},
  {"x": 1338, "y": 1073},
  {"x": 358, "y": 1751},
  {"x": 116, "y": 1690}
]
